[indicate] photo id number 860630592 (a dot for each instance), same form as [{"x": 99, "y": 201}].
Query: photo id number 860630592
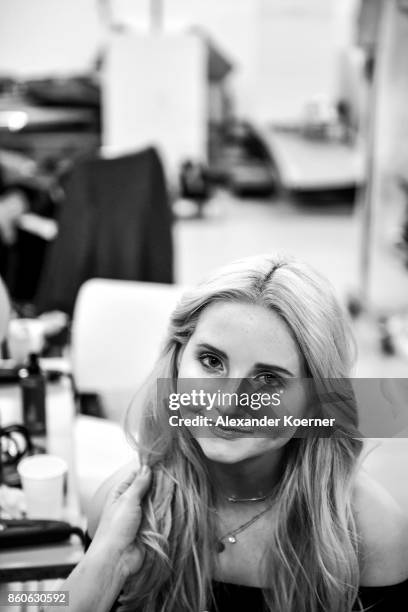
[{"x": 18, "y": 598}]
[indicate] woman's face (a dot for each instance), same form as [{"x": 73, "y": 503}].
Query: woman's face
[{"x": 236, "y": 340}]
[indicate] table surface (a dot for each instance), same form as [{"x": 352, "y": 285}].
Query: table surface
[
  {"x": 51, "y": 561},
  {"x": 312, "y": 164},
  {"x": 40, "y": 562}
]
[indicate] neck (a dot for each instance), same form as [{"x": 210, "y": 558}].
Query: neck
[{"x": 251, "y": 478}]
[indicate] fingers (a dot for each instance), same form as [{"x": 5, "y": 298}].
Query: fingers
[
  {"x": 137, "y": 489},
  {"x": 134, "y": 485},
  {"x": 125, "y": 483}
]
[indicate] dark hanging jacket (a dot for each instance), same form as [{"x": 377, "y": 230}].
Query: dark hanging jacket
[{"x": 115, "y": 223}]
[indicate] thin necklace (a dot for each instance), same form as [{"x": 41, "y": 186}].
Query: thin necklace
[
  {"x": 234, "y": 500},
  {"x": 230, "y": 535},
  {"x": 247, "y": 499}
]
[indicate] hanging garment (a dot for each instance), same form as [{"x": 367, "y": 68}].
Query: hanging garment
[{"x": 115, "y": 223}]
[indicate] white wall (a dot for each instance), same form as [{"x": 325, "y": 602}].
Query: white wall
[
  {"x": 296, "y": 55},
  {"x": 155, "y": 92},
  {"x": 284, "y": 50},
  {"x": 232, "y": 24},
  {"x": 43, "y": 37}
]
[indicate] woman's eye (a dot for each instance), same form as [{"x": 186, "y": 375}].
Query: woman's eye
[
  {"x": 268, "y": 379},
  {"x": 211, "y": 362}
]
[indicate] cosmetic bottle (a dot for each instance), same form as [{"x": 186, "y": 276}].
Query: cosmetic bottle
[{"x": 33, "y": 390}]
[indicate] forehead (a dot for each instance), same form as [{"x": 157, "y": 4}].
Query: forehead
[{"x": 250, "y": 333}]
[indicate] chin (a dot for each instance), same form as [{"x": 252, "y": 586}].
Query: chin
[{"x": 233, "y": 451}]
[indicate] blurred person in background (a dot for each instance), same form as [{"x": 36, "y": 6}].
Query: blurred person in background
[{"x": 28, "y": 204}]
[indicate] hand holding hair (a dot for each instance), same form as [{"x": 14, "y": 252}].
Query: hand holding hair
[
  {"x": 113, "y": 555},
  {"x": 121, "y": 518}
]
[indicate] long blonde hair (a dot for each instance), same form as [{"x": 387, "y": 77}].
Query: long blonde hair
[{"x": 312, "y": 559}]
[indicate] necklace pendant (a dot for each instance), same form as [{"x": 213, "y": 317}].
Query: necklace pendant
[{"x": 232, "y": 539}]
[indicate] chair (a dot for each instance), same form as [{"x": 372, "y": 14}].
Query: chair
[
  {"x": 117, "y": 332},
  {"x": 100, "y": 449}
]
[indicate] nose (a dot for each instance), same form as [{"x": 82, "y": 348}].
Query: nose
[{"x": 229, "y": 404}]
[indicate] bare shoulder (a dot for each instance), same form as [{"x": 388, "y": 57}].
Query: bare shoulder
[
  {"x": 383, "y": 528},
  {"x": 101, "y": 494}
]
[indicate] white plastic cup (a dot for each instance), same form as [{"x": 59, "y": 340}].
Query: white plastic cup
[{"x": 43, "y": 478}]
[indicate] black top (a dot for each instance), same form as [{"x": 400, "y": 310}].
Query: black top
[{"x": 392, "y": 598}]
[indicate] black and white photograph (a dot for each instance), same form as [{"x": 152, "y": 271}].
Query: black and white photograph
[{"x": 204, "y": 305}]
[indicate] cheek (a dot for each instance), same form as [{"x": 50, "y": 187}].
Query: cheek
[{"x": 294, "y": 400}]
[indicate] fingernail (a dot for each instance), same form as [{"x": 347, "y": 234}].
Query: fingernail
[{"x": 145, "y": 470}]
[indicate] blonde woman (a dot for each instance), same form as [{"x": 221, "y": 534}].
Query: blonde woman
[{"x": 230, "y": 520}]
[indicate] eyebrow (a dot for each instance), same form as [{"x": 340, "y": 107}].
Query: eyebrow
[
  {"x": 258, "y": 366},
  {"x": 209, "y": 347}
]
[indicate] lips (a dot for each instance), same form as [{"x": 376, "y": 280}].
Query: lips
[{"x": 229, "y": 433}]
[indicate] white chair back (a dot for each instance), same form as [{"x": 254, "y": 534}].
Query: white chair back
[{"x": 117, "y": 334}]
